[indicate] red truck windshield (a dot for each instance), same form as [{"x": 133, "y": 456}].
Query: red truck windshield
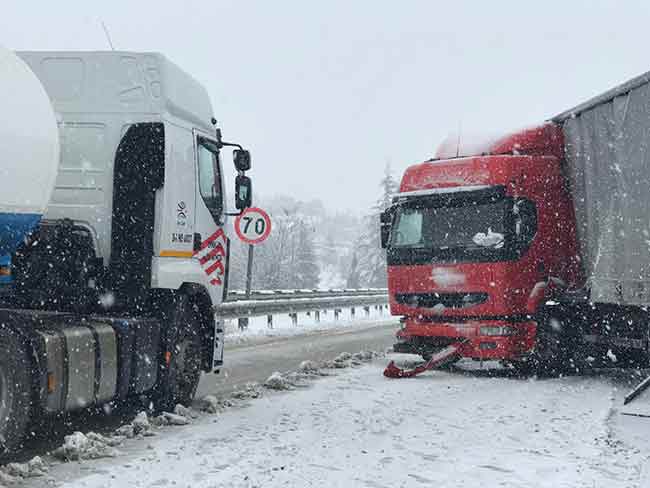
[
  {"x": 496, "y": 228},
  {"x": 469, "y": 226}
]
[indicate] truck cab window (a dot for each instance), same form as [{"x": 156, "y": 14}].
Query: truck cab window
[{"x": 210, "y": 177}]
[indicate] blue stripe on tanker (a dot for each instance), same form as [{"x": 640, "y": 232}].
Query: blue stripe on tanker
[{"x": 13, "y": 229}]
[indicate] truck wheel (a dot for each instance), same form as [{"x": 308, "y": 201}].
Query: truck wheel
[
  {"x": 553, "y": 353},
  {"x": 181, "y": 376},
  {"x": 15, "y": 391}
]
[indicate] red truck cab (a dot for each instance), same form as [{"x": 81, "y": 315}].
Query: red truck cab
[{"x": 476, "y": 239}]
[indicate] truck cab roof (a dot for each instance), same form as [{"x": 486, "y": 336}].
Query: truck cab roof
[
  {"x": 120, "y": 82},
  {"x": 486, "y": 161},
  {"x": 541, "y": 140}
]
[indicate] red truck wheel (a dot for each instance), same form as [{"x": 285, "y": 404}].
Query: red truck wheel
[{"x": 554, "y": 346}]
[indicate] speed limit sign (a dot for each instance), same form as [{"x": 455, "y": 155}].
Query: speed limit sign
[{"x": 253, "y": 225}]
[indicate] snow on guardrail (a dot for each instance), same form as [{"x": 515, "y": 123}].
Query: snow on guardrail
[
  {"x": 292, "y": 302},
  {"x": 268, "y": 306}
]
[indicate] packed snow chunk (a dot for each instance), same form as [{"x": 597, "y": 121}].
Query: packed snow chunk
[
  {"x": 309, "y": 366},
  {"x": 37, "y": 466},
  {"x": 141, "y": 424},
  {"x": 297, "y": 378},
  {"x": 335, "y": 364},
  {"x": 175, "y": 419},
  {"x": 364, "y": 356},
  {"x": 160, "y": 420},
  {"x": 489, "y": 239},
  {"x": 341, "y": 361},
  {"x": 17, "y": 470},
  {"x": 210, "y": 404},
  {"x": 183, "y": 411},
  {"x": 32, "y": 469},
  {"x": 7, "y": 480},
  {"x": 78, "y": 446},
  {"x": 277, "y": 381},
  {"x": 126, "y": 430},
  {"x": 611, "y": 356},
  {"x": 250, "y": 391},
  {"x": 344, "y": 356}
]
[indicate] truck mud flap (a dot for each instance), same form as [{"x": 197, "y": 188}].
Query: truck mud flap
[{"x": 138, "y": 344}]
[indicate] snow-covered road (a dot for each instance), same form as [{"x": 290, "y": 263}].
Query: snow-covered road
[
  {"x": 259, "y": 356},
  {"x": 356, "y": 428}
]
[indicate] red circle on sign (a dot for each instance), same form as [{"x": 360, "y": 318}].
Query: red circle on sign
[{"x": 247, "y": 225}]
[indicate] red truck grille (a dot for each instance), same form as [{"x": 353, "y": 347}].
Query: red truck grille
[{"x": 449, "y": 300}]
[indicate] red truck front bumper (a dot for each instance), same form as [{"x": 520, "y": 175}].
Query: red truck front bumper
[{"x": 486, "y": 339}]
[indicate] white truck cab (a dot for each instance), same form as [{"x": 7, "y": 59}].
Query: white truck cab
[{"x": 108, "y": 103}]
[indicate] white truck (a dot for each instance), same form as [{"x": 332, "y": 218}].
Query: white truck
[{"x": 112, "y": 210}]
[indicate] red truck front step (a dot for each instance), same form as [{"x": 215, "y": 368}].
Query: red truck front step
[{"x": 447, "y": 354}]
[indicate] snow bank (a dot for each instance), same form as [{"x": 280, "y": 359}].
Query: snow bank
[
  {"x": 168, "y": 418},
  {"x": 278, "y": 381},
  {"x": 13, "y": 473},
  {"x": 249, "y": 391},
  {"x": 211, "y": 404},
  {"x": 79, "y": 446},
  {"x": 258, "y": 330},
  {"x": 140, "y": 426},
  {"x": 309, "y": 366}
]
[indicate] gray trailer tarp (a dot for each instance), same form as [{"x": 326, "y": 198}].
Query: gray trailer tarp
[{"x": 608, "y": 166}]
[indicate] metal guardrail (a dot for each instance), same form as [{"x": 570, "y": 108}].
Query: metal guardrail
[
  {"x": 292, "y": 302},
  {"x": 238, "y": 295}
]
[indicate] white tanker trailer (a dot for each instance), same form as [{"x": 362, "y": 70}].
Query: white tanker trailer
[
  {"x": 30, "y": 151},
  {"x": 112, "y": 212}
]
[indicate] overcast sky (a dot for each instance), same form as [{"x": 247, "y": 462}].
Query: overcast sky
[{"x": 326, "y": 93}]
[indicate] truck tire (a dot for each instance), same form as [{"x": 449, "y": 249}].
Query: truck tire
[
  {"x": 554, "y": 345},
  {"x": 180, "y": 376},
  {"x": 15, "y": 391}
]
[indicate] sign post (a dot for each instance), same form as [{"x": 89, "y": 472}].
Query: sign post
[
  {"x": 252, "y": 226},
  {"x": 249, "y": 270}
]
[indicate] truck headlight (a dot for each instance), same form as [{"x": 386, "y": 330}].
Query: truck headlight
[{"x": 497, "y": 330}]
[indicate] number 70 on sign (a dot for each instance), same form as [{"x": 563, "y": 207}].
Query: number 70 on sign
[{"x": 253, "y": 225}]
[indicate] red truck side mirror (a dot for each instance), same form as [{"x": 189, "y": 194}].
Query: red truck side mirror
[{"x": 385, "y": 224}]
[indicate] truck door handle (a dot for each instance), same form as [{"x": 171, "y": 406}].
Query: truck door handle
[{"x": 197, "y": 242}]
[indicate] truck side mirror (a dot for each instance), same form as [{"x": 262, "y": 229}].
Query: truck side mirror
[
  {"x": 525, "y": 222},
  {"x": 243, "y": 192},
  {"x": 385, "y": 224},
  {"x": 242, "y": 159}
]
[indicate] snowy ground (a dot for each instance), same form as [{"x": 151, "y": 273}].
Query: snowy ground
[
  {"x": 356, "y": 428},
  {"x": 258, "y": 330}
]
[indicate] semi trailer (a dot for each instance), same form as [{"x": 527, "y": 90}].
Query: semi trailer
[
  {"x": 532, "y": 248},
  {"x": 112, "y": 228}
]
